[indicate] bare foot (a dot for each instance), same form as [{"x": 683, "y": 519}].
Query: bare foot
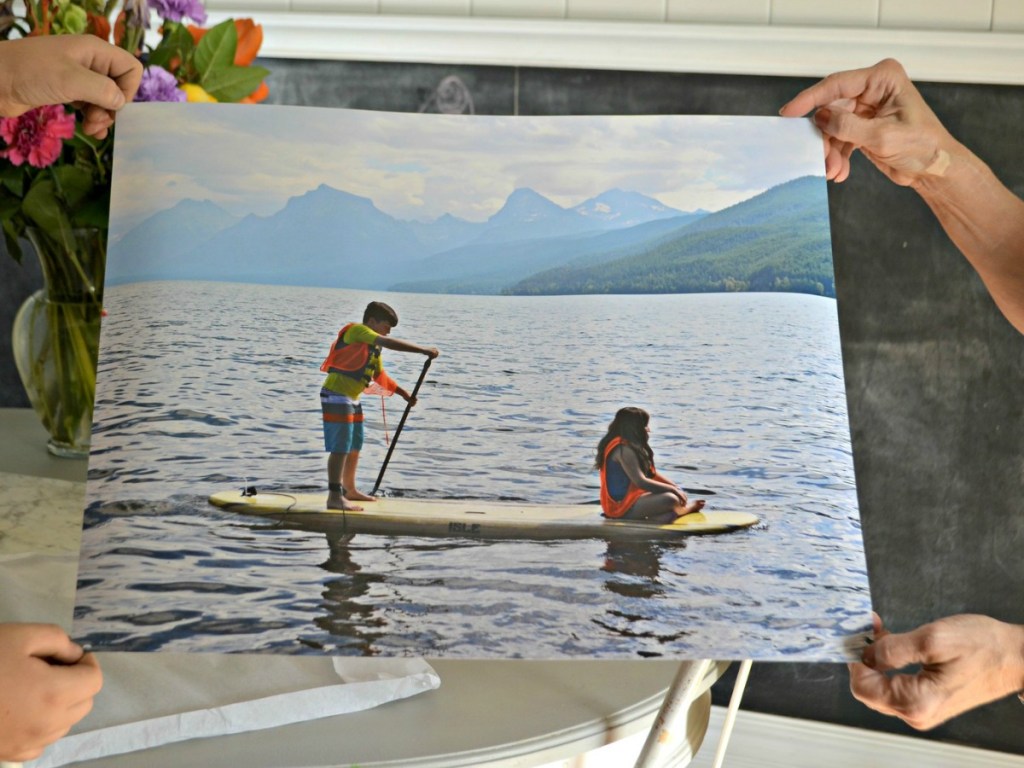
[
  {"x": 694, "y": 505},
  {"x": 337, "y": 501},
  {"x": 355, "y": 495}
]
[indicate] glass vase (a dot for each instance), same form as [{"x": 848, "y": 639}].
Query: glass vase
[{"x": 56, "y": 336}]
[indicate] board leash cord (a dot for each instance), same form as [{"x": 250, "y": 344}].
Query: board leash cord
[{"x": 251, "y": 491}]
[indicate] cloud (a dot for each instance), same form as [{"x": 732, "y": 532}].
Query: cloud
[{"x": 252, "y": 159}]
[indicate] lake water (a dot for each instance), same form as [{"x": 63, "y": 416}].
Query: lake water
[{"x": 212, "y": 386}]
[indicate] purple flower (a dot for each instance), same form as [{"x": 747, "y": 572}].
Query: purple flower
[
  {"x": 136, "y": 14},
  {"x": 159, "y": 85},
  {"x": 176, "y": 10}
]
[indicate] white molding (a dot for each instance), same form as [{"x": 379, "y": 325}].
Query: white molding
[
  {"x": 770, "y": 741},
  {"x": 943, "y": 56}
]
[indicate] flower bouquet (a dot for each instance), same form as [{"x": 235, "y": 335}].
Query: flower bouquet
[{"x": 55, "y": 182}]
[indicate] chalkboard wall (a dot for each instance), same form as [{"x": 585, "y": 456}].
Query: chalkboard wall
[{"x": 934, "y": 374}]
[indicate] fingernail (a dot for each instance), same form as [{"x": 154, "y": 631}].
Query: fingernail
[{"x": 822, "y": 116}]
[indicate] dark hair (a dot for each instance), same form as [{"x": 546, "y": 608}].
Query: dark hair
[
  {"x": 630, "y": 423},
  {"x": 378, "y": 310}
]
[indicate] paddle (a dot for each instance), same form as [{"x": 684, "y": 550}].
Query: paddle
[{"x": 398, "y": 431}]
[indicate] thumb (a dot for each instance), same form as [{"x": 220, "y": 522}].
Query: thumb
[
  {"x": 48, "y": 641},
  {"x": 898, "y": 651}
]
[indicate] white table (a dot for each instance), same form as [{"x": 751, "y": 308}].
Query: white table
[{"x": 486, "y": 713}]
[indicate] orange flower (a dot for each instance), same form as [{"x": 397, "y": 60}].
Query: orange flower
[
  {"x": 40, "y": 24},
  {"x": 119, "y": 27},
  {"x": 250, "y": 38},
  {"x": 257, "y": 96},
  {"x": 99, "y": 25}
]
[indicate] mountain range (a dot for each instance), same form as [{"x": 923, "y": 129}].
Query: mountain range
[
  {"x": 331, "y": 238},
  {"x": 776, "y": 241}
]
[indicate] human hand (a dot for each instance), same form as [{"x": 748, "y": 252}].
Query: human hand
[
  {"x": 878, "y": 111},
  {"x": 82, "y": 70},
  {"x": 48, "y": 686},
  {"x": 965, "y": 661},
  {"x": 431, "y": 352}
]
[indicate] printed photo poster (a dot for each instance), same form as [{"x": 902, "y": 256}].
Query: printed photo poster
[{"x": 562, "y": 269}]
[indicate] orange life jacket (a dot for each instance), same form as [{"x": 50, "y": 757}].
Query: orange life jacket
[
  {"x": 351, "y": 360},
  {"x": 347, "y": 359},
  {"x": 610, "y": 506}
]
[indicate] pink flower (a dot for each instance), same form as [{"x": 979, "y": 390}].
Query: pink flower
[{"x": 36, "y": 136}]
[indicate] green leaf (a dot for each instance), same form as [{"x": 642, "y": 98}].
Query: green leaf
[
  {"x": 95, "y": 212},
  {"x": 9, "y": 207},
  {"x": 234, "y": 83},
  {"x": 85, "y": 144},
  {"x": 12, "y": 241},
  {"x": 177, "y": 43},
  {"x": 160, "y": 56},
  {"x": 12, "y": 178},
  {"x": 216, "y": 51},
  {"x": 73, "y": 184},
  {"x": 43, "y": 207}
]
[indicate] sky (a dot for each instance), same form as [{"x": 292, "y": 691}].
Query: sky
[{"x": 253, "y": 158}]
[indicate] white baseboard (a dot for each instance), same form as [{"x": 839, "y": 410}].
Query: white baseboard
[{"x": 770, "y": 741}]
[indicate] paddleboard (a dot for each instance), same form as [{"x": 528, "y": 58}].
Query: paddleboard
[{"x": 469, "y": 518}]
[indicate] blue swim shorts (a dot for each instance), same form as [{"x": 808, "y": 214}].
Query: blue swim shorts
[{"x": 343, "y": 422}]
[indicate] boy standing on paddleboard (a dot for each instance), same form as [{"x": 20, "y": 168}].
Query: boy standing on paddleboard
[{"x": 353, "y": 362}]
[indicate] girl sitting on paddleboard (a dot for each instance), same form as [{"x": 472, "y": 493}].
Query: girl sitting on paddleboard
[{"x": 631, "y": 487}]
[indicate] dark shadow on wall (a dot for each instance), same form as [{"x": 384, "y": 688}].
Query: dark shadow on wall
[{"x": 17, "y": 283}]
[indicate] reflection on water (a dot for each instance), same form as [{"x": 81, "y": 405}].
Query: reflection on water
[{"x": 211, "y": 386}]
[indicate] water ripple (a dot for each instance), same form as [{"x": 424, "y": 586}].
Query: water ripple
[{"x": 748, "y": 411}]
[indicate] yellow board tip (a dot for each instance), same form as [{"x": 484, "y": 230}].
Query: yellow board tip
[{"x": 693, "y": 517}]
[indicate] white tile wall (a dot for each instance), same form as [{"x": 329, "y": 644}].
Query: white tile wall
[
  {"x": 520, "y": 9},
  {"x": 426, "y": 7},
  {"x": 331, "y": 6},
  {"x": 720, "y": 11},
  {"x": 963, "y": 15},
  {"x": 1008, "y": 16},
  {"x": 936, "y": 14},
  {"x": 619, "y": 10},
  {"x": 848, "y": 13},
  {"x": 726, "y": 36},
  {"x": 250, "y": 8}
]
